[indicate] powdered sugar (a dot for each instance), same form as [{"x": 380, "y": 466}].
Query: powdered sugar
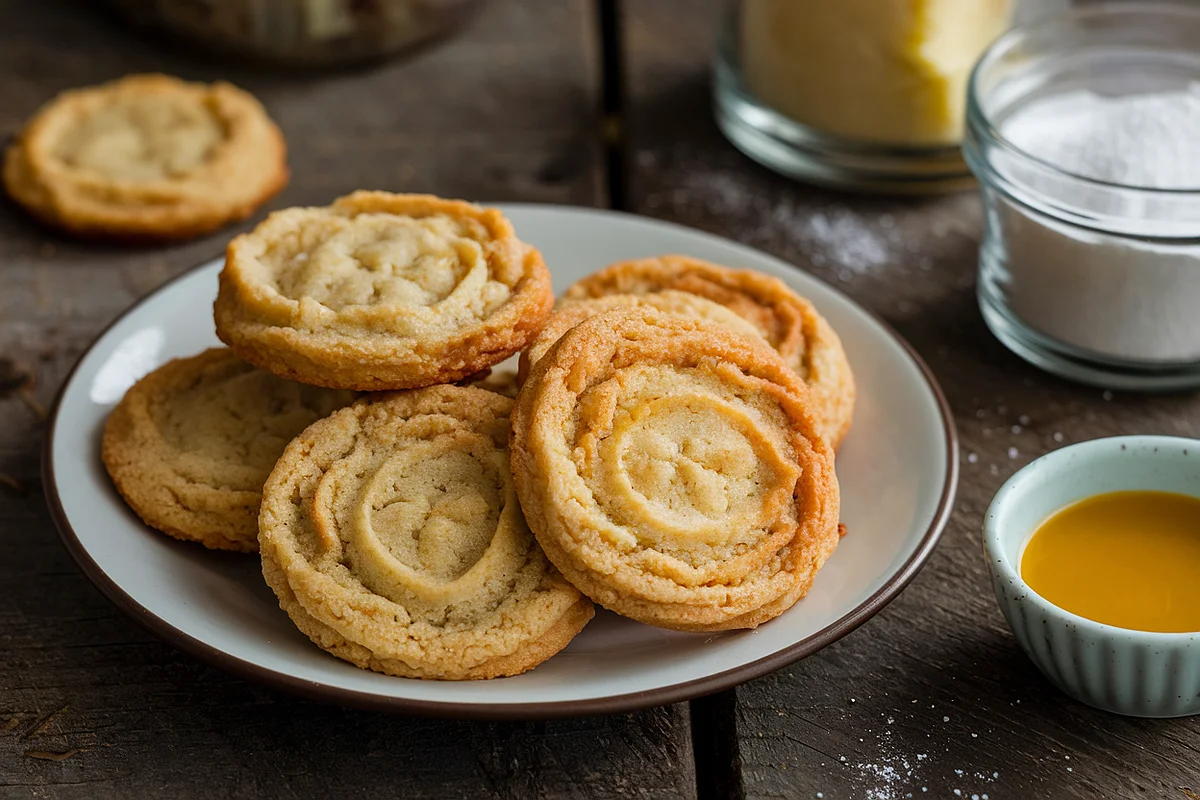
[
  {"x": 1130, "y": 295},
  {"x": 1149, "y": 140},
  {"x": 844, "y": 239},
  {"x": 834, "y": 236},
  {"x": 894, "y": 774}
]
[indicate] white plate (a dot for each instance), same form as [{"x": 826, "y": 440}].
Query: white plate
[{"x": 898, "y": 470}]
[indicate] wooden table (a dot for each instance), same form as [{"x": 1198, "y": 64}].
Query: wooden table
[{"x": 563, "y": 101}]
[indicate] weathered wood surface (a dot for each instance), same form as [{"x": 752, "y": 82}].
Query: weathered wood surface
[
  {"x": 932, "y": 698},
  {"x": 92, "y": 706},
  {"x": 933, "y": 694}
]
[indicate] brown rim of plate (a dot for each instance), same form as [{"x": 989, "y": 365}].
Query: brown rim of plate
[{"x": 633, "y": 701}]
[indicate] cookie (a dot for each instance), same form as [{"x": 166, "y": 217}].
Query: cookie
[
  {"x": 785, "y": 319},
  {"x": 392, "y": 535},
  {"x": 571, "y": 312},
  {"x": 147, "y": 157},
  {"x": 191, "y": 444},
  {"x": 674, "y": 471},
  {"x": 500, "y": 381},
  {"x": 381, "y": 291}
]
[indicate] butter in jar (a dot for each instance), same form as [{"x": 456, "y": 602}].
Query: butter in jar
[{"x": 859, "y": 93}]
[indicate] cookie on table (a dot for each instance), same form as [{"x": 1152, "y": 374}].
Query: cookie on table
[
  {"x": 147, "y": 157},
  {"x": 785, "y": 319},
  {"x": 191, "y": 444},
  {"x": 674, "y": 471},
  {"x": 392, "y": 535},
  {"x": 381, "y": 291},
  {"x": 571, "y": 312}
]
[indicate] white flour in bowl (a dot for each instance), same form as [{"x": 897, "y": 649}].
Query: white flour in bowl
[{"x": 1114, "y": 295}]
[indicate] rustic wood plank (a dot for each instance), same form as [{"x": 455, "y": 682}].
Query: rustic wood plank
[
  {"x": 91, "y": 706},
  {"x": 932, "y": 698}
]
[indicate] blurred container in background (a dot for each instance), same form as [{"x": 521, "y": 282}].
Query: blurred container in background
[
  {"x": 302, "y": 32},
  {"x": 860, "y": 94}
]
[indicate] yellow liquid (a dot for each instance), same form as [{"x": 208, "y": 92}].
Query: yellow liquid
[{"x": 1129, "y": 559}]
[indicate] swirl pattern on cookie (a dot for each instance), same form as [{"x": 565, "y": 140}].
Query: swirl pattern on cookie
[
  {"x": 191, "y": 444},
  {"x": 674, "y": 471},
  {"x": 785, "y": 319},
  {"x": 392, "y": 534},
  {"x": 148, "y": 156},
  {"x": 571, "y": 312},
  {"x": 381, "y": 291}
]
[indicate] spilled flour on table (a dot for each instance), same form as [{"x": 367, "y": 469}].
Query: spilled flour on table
[
  {"x": 831, "y": 236},
  {"x": 841, "y": 238},
  {"x": 894, "y": 775}
]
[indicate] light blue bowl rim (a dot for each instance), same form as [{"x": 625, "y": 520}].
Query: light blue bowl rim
[{"x": 992, "y": 535}]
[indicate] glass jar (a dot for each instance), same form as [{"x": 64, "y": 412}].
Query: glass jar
[
  {"x": 1093, "y": 279},
  {"x": 301, "y": 32},
  {"x": 859, "y": 94}
]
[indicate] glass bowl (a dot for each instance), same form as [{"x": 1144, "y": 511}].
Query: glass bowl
[
  {"x": 310, "y": 33},
  {"x": 1136, "y": 673},
  {"x": 1094, "y": 281}
]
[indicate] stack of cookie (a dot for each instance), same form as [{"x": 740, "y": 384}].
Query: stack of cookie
[
  {"x": 673, "y": 442},
  {"x": 668, "y": 454}
]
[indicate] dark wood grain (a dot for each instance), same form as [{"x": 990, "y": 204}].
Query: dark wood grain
[
  {"x": 932, "y": 698},
  {"x": 91, "y": 706},
  {"x": 933, "y": 694}
]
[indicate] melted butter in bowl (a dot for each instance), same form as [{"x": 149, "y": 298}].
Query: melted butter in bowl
[
  {"x": 1094, "y": 555},
  {"x": 1129, "y": 559}
]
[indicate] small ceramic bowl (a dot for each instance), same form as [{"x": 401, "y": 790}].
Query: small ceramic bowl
[{"x": 1130, "y": 672}]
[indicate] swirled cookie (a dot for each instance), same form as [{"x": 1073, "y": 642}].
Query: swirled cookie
[
  {"x": 381, "y": 291},
  {"x": 674, "y": 471},
  {"x": 147, "y": 157},
  {"x": 392, "y": 535},
  {"x": 191, "y": 444},
  {"x": 785, "y": 319},
  {"x": 571, "y": 312}
]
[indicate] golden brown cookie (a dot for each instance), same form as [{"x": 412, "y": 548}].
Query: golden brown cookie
[
  {"x": 500, "y": 381},
  {"x": 191, "y": 444},
  {"x": 571, "y": 312},
  {"x": 785, "y": 319},
  {"x": 381, "y": 291},
  {"x": 392, "y": 535},
  {"x": 147, "y": 157},
  {"x": 674, "y": 471}
]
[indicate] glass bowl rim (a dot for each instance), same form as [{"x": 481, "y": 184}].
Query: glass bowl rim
[{"x": 981, "y": 125}]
